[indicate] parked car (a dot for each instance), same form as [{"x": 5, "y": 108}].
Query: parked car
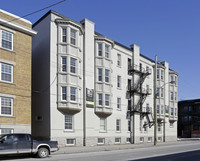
[{"x": 24, "y": 144}]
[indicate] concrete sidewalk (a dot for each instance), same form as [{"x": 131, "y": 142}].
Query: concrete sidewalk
[{"x": 70, "y": 150}]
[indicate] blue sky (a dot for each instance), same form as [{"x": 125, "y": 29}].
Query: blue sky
[{"x": 168, "y": 28}]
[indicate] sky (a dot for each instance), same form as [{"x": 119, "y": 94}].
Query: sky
[{"x": 169, "y": 29}]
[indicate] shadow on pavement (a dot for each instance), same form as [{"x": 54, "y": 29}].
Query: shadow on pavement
[
  {"x": 14, "y": 157},
  {"x": 186, "y": 156}
]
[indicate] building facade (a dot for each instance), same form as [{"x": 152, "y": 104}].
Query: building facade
[
  {"x": 91, "y": 90},
  {"x": 189, "y": 118},
  {"x": 15, "y": 73}
]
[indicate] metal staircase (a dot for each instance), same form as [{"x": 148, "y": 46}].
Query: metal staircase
[{"x": 137, "y": 89}]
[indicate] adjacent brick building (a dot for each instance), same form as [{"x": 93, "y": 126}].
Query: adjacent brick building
[
  {"x": 15, "y": 73},
  {"x": 189, "y": 118}
]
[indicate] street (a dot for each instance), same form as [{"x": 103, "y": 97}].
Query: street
[{"x": 177, "y": 152}]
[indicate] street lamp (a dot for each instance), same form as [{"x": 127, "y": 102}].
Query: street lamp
[{"x": 155, "y": 109}]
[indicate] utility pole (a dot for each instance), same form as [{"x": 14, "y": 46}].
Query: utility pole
[{"x": 155, "y": 94}]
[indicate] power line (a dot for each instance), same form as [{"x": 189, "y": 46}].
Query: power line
[{"x": 36, "y": 11}]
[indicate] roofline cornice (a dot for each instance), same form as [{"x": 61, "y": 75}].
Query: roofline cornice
[{"x": 18, "y": 27}]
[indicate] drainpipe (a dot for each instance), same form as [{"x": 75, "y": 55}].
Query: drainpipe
[
  {"x": 84, "y": 95},
  {"x": 155, "y": 111}
]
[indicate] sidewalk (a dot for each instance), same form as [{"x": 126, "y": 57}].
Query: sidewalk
[{"x": 70, "y": 150}]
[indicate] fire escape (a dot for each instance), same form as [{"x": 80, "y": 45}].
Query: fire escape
[{"x": 137, "y": 89}]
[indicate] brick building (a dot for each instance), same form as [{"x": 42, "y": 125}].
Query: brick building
[
  {"x": 189, "y": 118},
  {"x": 15, "y": 73}
]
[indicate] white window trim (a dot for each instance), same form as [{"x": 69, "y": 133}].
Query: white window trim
[
  {"x": 105, "y": 123},
  {"x": 74, "y": 142},
  {"x": 11, "y": 107},
  {"x": 118, "y": 125},
  {"x": 100, "y": 143},
  {"x": 62, "y": 93},
  {"x": 1, "y": 30},
  {"x": 12, "y": 130},
  {"x": 118, "y": 142},
  {"x": 11, "y": 73},
  {"x": 69, "y": 130}
]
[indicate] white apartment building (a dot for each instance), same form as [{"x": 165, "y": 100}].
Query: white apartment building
[{"x": 90, "y": 90}]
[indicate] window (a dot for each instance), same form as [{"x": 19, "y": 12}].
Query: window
[
  {"x": 129, "y": 125},
  {"x": 162, "y": 75},
  {"x": 162, "y": 92},
  {"x": 64, "y": 64},
  {"x": 107, "y": 99},
  {"x": 6, "y": 72},
  {"x": 172, "y": 111},
  {"x": 159, "y": 127},
  {"x": 68, "y": 122},
  {"x": 71, "y": 141},
  {"x": 72, "y": 93},
  {"x": 175, "y": 112},
  {"x": 73, "y": 37},
  {"x": 118, "y": 125},
  {"x": 101, "y": 141},
  {"x": 159, "y": 139},
  {"x": 158, "y": 74},
  {"x": 158, "y": 92},
  {"x": 175, "y": 79},
  {"x": 141, "y": 139},
  {"x": 117, "y": 140},
  {"x": 6, "y": 131},
  {"x": 99, "y": 74},
  {"x": 107, "y": 75},
  {"x": 129, "y": 66},
  {"x": 6, "y": 106},
  {"x": 99, "y": 49},
  {"x": 145, "y": 127},
  {"x": 172, "y": 78},
  {"x": 73, "y": 65},
  {"x": 129, "y": 105},
  {"x": 158, "y": 109},
  {"x": 172, "y": 96},
  {"x": 162, "y": 109},
  {"x": 107, "y": 51},
  {"x": 118, "y": 59},
  {"x": 128, "y": 140},
  {"x": 64, "y": 93},
  {"x": 175, "y": 96},
  {"x": 6, "y": 40},
  {"x": 118, "y": 103},
  {"x": 149, "y": 139},
  {"x": 64, "y": 34},
  {"x": 102, "y": 124},
  {"x": 118, "y": 81},
  {"x": 147, "y": 69},
  {"x": 171, "y": 124},
  {"x": 100, "y": 99}
]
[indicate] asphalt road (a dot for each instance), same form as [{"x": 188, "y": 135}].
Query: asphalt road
[{"x": 180, "y": 152}]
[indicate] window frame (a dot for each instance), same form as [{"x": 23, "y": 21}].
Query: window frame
[
  {"x": 100, "y": 49},
  {"x": 118, "y": 125},
  {"x": 11, "y": 106},
  {"x": 100, "y": 74},
  {"x": 118, "y": 103},
  {"x": 2, "y": 39},
  {"x": 100, "y": 101},
  {"x": 69, "y": 122},
  {"x": 63, "y": 94},
  {"x": 107, "y": 76},
  {"x": 103, "y": 127},
  {"x": 64, "y": 35},
  {"x": 107, "y": 51},
  {"x": 73, "y": 65},
  {"x": 11, "y": 74},
  {"x": 73, "y": 94},
  {"x": 107, "y": 100},
  {"x": 73, "y": 37},
  {"x": 64, "y": 65},
  {"x": 118, "y": 81},
  {"x": 119, "y": 60}
]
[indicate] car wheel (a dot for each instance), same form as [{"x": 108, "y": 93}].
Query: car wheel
[{"x": 43, "y": 152}]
